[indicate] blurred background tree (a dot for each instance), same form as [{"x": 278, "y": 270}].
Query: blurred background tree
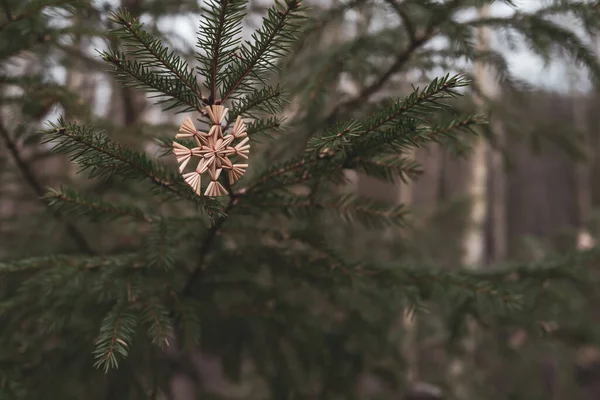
[{"x": 524, "y": 191}]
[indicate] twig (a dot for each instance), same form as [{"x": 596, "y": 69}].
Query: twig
[
  {"x": 14, "y": 18},
  {"x": 9, "y": 15},
  {"x": 209, "y": 239},
  {"x": 416, "y": 41},
  {"x": 37, "y": 187},
  {"x": 368, "y": 91},
  {"x": 408, "y": 25}
]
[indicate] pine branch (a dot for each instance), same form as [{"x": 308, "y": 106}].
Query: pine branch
[
  {"x": 268, "y": 100},
  {"x": 160, "y": 326},
  {"x": 263, "y": 126},
  {"x": 152, "y": 54},
  {"x": 102, "y": 157},
  {"x": 205, "y": 246},
  {"x": 219, "y": 35},
  {"x": 274, "y": 38},
  {"x": 389, "y": 168},
  {"x": 69, "y": 261},
  {"x": 161, "y": 246},
  {"x": 36, "y": 186},
  {"x": 139, "y": 75},
  {"x": 77, "y": 204},
  {"x": 188, "y": 320},
  {"x": 419, "y": 103},
  {"x": 348, "y": 208},
  {"x": 116, "y": 334}
]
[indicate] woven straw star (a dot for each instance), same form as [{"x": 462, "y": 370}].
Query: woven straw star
[{"x": 215, "y": 151}]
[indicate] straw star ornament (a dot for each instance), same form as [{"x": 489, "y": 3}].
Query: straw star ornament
[{"x": 215, "y": 151}]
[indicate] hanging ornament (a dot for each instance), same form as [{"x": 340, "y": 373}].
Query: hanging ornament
[{"x": 214, "y": 149}]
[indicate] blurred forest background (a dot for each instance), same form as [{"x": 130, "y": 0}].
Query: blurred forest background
[{"x": 527, "y": 190}]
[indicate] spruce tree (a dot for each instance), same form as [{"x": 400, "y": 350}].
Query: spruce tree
[{"x": 223, "y": 250}]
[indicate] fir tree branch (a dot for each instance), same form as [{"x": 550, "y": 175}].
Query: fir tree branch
[
  {"x": 161, "y": 246},
  {"x": 154, "y": 82},
  {"x": 33, "y": 182},
  {"x": 160, "y": 327},
  {"x": 197, "y": 273},
  {"x": 116, "y": 334},
  {"x": 102, "y": 156},
  {"x": 219, "y": 34},
  {"x": 154, "y": 53},
  {"x": 268, "y": 100},
  {"x": 388, "y": 168},
  {"x": 79, "y": 204},
  {"x": 262, "y": 126},
  {"x": 273, "y": 38},
  {"x": 87, "y": 263},
  {"x": 291, "y": 166},
  {"x": 348, "y": 208}
]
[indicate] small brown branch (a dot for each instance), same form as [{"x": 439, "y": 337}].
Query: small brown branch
[
  {"x": 14, "y": 18},
  {"x": 408, "y": 25},
  {"x": 208, "y": 241},
  {"x": 416, "y": 41},
  {"x": 39, "y": 190},
  {"x": 374, "y": 87}
]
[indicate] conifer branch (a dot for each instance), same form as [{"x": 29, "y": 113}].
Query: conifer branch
[
  {"x": 206, "y": 244},
  {"x": 101, "y": 156},
  {"x": 290, "y": 166},
  {"x": 69, "y": 261},
  {"x": 388, "y": 168},
  {"x": 154, "y": 82},
  {"x": 116, "y": 334},
  {"x": 219, "y": 34},
  {"x": 348, "y": 208},
  {"x": 161, "y": 246},
  {"x": 78, "y": 204},
  {"x": 262, "y": 126},
  {"x": 38, "y": 189},
  {"x": 268, "y": 100},
  {"x": 274, "y": 38},
  {"x": 153, "y": 53},
  {"x": 160, "y": 327}
]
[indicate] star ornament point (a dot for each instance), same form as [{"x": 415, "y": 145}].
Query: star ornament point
[{"x": 216, "y": 151}]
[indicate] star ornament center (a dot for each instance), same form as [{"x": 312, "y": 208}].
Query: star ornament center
[{"x": 215, "y": 151}]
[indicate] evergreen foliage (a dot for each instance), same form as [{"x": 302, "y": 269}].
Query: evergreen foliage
[{"x": 253, "y": 278}]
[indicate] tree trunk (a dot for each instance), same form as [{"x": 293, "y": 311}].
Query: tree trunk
[{"x": 474, "y": 249}]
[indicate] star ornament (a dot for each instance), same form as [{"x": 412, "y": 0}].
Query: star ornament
[{"x": 215, "y": 151}]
